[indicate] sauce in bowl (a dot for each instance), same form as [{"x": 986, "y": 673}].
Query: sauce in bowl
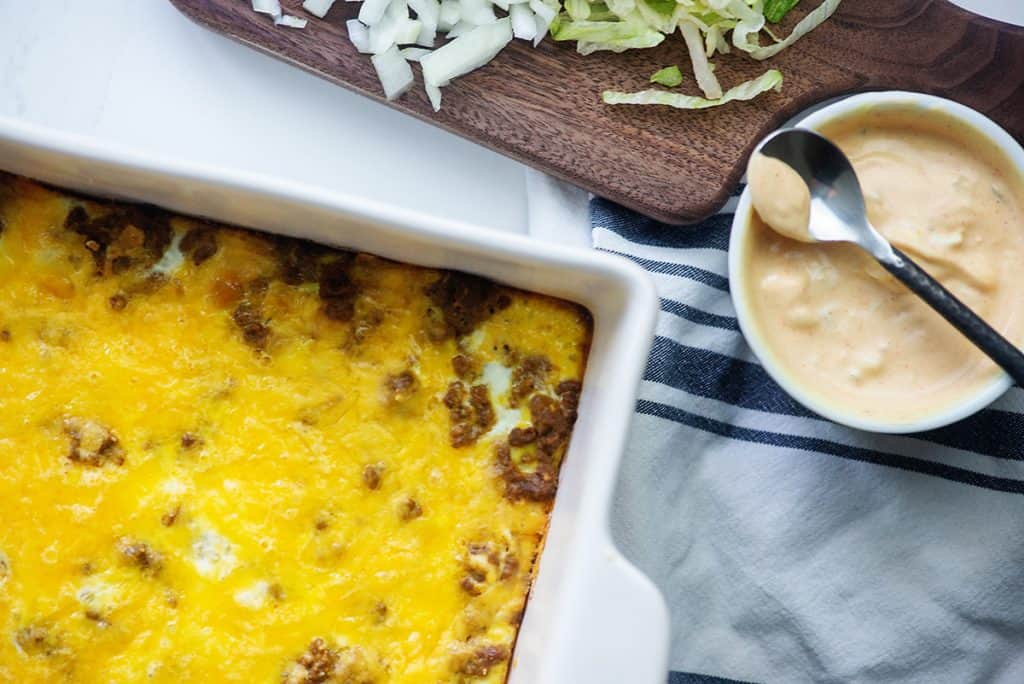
[{"x": 838, "y": 325}]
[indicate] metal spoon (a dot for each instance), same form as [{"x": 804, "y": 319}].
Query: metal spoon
[{"x": 838, "y": 215}]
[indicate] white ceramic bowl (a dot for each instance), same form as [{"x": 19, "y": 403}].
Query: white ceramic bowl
[
  {"x": 591, "y": 615},
  {"x": 973, "y": 399}
]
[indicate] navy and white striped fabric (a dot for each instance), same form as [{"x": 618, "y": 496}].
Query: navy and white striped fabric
[{"x": 791, "y": 549}]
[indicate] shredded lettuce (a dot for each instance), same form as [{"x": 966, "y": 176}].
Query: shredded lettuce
[
  {"x": 707, "y": 27},
  {"x": 770, "y": 80},
  {"x": 670, "y": 77},
  {"x": 812, "y": 21},
  {"x": 775, "y": 10}
]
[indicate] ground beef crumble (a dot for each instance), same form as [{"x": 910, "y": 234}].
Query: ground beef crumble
[
  {"x": 118, "y": 302},
  {"x": 470, "y": 413},
  {"x": 400, "y": 387},
  {"x": 322, "y": 665},
  {"x": 552, "y": 421},
  {"x": 92, "y": 444},
  {"x": 132, "y": 233},
  {"x": 141, "y": 555},
  {"x": 522, "y": 436},
  {"x": 478, "y": 660},
  {"x": 464, "y": 301},
  {"x": 337, "y": 290},
  {"x": 485, "y": 562},
  {"x": 463, "y": 366},
  {"x": 249, "y": 319},
  {"x": 528, "y": 377},
  {"x": 300, "y": 259},
  {"x": 200, "y": 244},
  {"x": 315, "y": 666}
]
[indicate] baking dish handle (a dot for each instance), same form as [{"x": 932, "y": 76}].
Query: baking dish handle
[{"x": 627, "y": 624}]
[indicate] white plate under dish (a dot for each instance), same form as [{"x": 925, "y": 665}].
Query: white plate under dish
[{"x": 591, "y": 615}]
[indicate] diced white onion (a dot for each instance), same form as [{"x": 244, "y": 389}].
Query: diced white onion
[
  {"x": 394, "y": 72},
  {"x": 467, "y": 52},
  {"x": 318, "y": 8},
  {"x": 434, "y": 93},
  {"x": 414, "y": 54},
  {"x": 462, "y": 28},
  {"x": 384, "y": 34},
  {"x": 408, "y": 31},
  {"x": 427, "y": 38},
  {"x": 398, "y": 9},
  {"x": 450, "y": 15},
  {"x": 543, "y": 10},
  {"x": 271, "y": 7},
  {"x": 359, "y": 35},
  {"x": 503, "y": 4},
  {"x": 459, "y": 29},
  {"x": 291, "y": 21},
  {"x": 477, "y": 11},
  {"x": 545, "y": 14},
  {"x": 372, "y": 11},
  {"x": 524, "y": 25},
  {"x": 429, "y": 13}
]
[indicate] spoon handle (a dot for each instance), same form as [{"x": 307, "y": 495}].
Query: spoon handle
[{"x": 984, "y": 336}]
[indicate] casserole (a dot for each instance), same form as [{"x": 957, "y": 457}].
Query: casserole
[{"x": 591, "y": 616}]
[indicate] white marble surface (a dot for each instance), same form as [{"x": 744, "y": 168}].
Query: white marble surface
[{"x": 136, "y": 73}]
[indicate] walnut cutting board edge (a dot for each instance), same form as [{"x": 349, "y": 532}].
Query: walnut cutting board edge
[{"x": 542, "y": 106}]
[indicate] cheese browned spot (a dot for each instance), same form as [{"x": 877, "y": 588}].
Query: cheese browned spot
[
  {"x": 372, "y": 473},
  {"x": 39, "y": 640},
  {"x": 171, "y": 516},
  {"x": 409, "y": 509}
]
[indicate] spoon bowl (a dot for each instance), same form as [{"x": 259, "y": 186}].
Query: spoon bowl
[{"x": 838, "y": 213}]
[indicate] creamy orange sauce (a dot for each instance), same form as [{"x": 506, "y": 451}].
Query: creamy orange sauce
[
  {"x": 780, "y": 197},
  {"x": 845, "y": 330}
]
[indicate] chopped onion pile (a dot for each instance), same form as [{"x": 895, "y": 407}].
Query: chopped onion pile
[{"x": 450, "y": 38}]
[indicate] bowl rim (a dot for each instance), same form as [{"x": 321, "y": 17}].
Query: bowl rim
[{"x": 972, "y": 402}]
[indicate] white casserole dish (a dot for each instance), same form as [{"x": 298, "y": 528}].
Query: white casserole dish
[{"x": 591, "y": 617}]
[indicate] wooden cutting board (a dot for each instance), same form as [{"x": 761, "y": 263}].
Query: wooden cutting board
[{"x": 542, "y": 106}]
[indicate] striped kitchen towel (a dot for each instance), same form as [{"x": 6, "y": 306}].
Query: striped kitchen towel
[{"x": 791, "y": 549}]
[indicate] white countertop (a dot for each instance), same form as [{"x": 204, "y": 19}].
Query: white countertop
[{"x": 137, "y": 73}]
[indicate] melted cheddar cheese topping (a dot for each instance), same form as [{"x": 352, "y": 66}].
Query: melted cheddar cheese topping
[{"x": 232, "y": 457}]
